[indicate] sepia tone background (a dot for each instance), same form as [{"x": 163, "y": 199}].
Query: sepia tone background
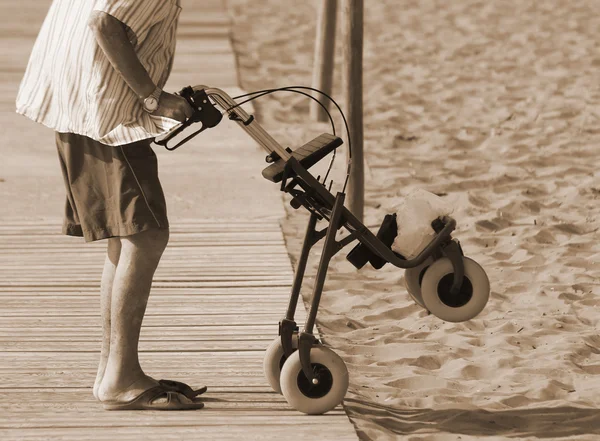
[{"x": 494, "y": 106}]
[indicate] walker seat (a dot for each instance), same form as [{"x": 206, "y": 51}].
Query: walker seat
[{"x": 308, "y": 155}]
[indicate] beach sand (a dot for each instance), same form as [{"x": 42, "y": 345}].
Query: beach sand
[{"x": 495, "y": 106}]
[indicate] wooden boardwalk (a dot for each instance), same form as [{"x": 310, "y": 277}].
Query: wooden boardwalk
[{"x": 218, "y": 294}]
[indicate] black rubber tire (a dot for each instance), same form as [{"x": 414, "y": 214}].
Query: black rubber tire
[
  {"x": 273, "y": 362},
  {"x": 473, "y": 297},
  {"x": 413, "y": 278},
  {"x": 334, "y": 372}
]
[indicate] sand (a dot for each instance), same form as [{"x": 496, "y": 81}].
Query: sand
[{"x": 494, "y": 106}]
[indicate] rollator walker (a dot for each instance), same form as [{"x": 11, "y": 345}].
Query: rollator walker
[{"x": 313, "y": 378}]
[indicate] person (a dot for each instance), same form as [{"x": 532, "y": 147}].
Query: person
[{"x": 95, "y": 76}]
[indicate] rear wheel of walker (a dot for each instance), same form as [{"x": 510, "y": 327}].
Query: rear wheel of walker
[
  {"x": 413, "y": 278},
  {"x": 470, "y": 301},
  {"x": 305, "y": 396},
  {"x": 274, "y": 360}
]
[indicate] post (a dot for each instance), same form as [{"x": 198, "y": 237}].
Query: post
[
  {"x": 324, "y": 58},
  {"x": 353, "y": 87}
]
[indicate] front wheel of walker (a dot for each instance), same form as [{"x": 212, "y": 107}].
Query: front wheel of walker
[
  {"x": 308, "y": 397},
  {"x": 471, "y": 299},
  {"x": 274, "y": 361}
]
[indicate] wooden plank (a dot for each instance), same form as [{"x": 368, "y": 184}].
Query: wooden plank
[
  {"x": 74, "y": 333},
  {"x": 156, "y": 284},
  {"x": 158, "y": 300},
  {"x": 208, "y": 376},
  {"x": 89, "y": 311},
  {"x": 57, "y": 222},
  {"x": 220, "y": 389},
  {"x": 234, "y": 250},
  {"x": 72, "y": 360},
  {"x": 81, "y": 403},
  {"x": 197, "y": 345},
  {"x": 212, "y": 232},
  {"x": 265, "y": 238},
  {"x": 88, "y": 293},
  {"x": 77, "y": 418},
  {"x": 204, "y": 265},
  {"x": 82, "y": 399},
  {"x": 249, "y": 247},
  {"x": 200, "y": 251},
  {"x": 78, "y": 279},
  {"x": 278, "y": 432},
  {"x": 169, "y": 261},
  {"x": 200, "y": 255},
  {"x": 82, "y": 302},
  {"x": 199, "y": 318},
  {"x": 222, "y": 272},
  {"x": 58, "y": 302},
  {"x": 248, "y": 308},
  {"x": 93, "y": 291}
]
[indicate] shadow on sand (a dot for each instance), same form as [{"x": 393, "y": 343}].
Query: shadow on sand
[{"x": 542, "y": 423}]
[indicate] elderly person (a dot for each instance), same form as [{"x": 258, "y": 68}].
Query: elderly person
[{"x": 95, "y": 76}]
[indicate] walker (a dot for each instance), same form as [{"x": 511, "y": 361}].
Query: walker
[{"x": 313, "y": 378}]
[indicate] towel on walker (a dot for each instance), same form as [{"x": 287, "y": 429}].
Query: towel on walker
[{"x": 414, "y": 216}]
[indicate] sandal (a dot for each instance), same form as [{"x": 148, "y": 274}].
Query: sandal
[
  {"x": 182, "y": 388},
  {"x": 147, "y": 400}
]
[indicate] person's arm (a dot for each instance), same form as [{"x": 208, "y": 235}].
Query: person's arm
[{"x": 112, "y": 38}]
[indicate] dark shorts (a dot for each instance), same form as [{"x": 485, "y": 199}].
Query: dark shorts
[{"x": 111, "y": 191}]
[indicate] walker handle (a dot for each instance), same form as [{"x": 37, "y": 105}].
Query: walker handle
[{"x": 204, "y": 112}]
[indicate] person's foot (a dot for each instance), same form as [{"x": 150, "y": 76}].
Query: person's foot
[
  {"x": 172, "y": 385},
  {"x": 96, "y": 387},
  {"x": 155, "y": 398},
  {"x": 144, "y": 393},
  {"x": 124, "y": 390},
  {"x": 100, "y": 373},
  {"x": 97, "y": 383}
]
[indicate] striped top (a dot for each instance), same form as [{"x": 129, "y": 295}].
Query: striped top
[{"x": 71, "y": 87}]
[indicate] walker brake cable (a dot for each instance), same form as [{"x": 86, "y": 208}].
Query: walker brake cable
[{"x": 291, "y": 89}]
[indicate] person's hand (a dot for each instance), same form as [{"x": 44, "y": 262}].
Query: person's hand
[{"x": 174, "y": 107}]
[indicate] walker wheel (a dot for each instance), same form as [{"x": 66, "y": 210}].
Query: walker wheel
[
  {"x": 274, "y": 360},
  {"x": 309, "y": 398},
  {"x": 413, "y": 278},
  {"x": 470, "y": 301}
]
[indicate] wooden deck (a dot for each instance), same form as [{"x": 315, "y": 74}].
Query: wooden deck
[{"x": 218, "y": 294}]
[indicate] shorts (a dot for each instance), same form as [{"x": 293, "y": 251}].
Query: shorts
[{"x": 111, "y": 191}]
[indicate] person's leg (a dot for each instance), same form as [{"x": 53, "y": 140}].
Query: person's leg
[
  {"x": 114, "y": 193},
  {"x": 140, "y": 254},
  {"x": 108, "y": 274}
]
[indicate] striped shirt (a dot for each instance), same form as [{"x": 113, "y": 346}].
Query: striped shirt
[{"x": 71, "y": 87}]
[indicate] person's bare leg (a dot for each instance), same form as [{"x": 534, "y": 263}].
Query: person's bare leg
[
  {"x": 140, "y": 254},
  {"x": 108, "y": 275}
]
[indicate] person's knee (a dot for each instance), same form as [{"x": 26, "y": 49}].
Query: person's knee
[
  {"x": 160, "y": 239},
  {"x": 151, "y": 243},
  {"x": 114, "y": 249}
]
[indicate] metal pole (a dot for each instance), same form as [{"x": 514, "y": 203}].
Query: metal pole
[
  {"x": 298, "y": 279},
  {"x": 353, "y": 86},
  {"x": 324, "y": 58},
  {"x": 328, "y": 253}
]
